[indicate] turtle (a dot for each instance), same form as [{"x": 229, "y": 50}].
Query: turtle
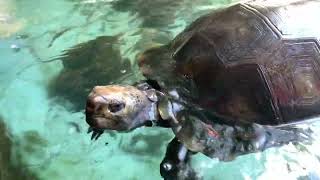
[{"x": 238, "y": 80}]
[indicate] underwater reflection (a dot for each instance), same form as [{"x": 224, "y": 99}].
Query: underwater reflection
[{"x": 88, "y": 64}]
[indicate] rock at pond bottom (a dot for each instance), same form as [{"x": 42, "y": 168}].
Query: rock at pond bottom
[{"x": 8, "y": 171}]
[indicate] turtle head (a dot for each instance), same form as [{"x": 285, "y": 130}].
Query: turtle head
[{"x": 121, "y": 108}]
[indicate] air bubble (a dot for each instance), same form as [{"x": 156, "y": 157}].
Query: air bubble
[{"x": 15, "y": 47}]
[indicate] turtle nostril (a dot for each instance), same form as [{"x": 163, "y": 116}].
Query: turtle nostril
[{"x": 115, "y": 107}]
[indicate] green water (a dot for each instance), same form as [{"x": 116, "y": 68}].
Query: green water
[{"x": 42, "y": 126}]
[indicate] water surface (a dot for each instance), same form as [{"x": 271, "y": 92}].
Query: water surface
[{"x": 53, "y": 52}]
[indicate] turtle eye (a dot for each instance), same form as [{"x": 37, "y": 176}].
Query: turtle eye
[{"x": 115, "y": 107}]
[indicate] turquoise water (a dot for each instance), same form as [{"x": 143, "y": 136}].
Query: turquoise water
[{"x": 44, "y": 80}]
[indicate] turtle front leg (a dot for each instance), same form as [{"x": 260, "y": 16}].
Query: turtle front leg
[{"x": 176, "y": 165}]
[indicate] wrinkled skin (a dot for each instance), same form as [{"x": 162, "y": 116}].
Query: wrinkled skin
[{"x": 121, "y": 108}]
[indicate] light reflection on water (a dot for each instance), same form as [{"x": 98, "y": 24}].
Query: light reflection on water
[{"x": 46, "y": 133}]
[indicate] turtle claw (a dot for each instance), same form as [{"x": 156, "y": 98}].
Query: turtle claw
[
  {"x": 96, "y": 133},
  {"x": 90, "y": 129}
]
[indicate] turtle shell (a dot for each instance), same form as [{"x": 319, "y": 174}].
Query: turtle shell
[{"x": 256, "y": 61}]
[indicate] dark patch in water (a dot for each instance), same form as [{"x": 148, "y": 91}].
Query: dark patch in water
[
  {"x": 57, "y": 35},
  {"x": 32, "y": 142},
  {"x": 96, "y": 62},
  {"x": 8, "y": 170}
]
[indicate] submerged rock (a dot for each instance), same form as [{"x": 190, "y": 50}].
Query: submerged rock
[
  {"x": 96, "y": 62},
  {"x": 8, "y": 169}
]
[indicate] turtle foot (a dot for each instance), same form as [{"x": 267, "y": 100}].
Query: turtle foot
[
  {"x": 181, "y": 171},
  {"x": 176, "y": 165}
]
